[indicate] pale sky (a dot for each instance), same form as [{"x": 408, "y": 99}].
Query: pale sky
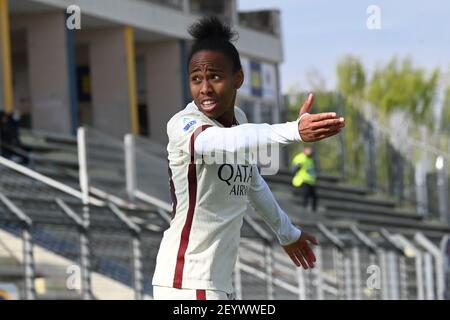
[{"x": 316, "y": 33}]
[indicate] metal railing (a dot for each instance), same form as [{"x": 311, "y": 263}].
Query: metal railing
[
  {"x": 83, "y": 223},
  {"x": 413, "y": 269},
  {"x": 411, "y": 170}
]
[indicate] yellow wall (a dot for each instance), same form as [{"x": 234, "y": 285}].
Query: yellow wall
[
  {"x": 131, "y": 70},
  {"x": 6, "y": 57}
]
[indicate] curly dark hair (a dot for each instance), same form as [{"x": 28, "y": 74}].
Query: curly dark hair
[{"x": 210, "y": 33}]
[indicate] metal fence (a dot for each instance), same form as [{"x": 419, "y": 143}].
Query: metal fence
[
  {"x": 351, "y": 265},
  {"x": 409, "y": 170},
  {"x": 72, "y": 250}
]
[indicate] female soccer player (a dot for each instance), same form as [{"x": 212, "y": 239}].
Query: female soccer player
[{"x": 199, "y": 250}]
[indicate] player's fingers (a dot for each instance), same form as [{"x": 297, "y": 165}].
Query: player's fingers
[
  {"x": 307, "y": 256},
  {"x": 327, "y": 135},
  {"x": 312, "y": 239},
  {"x": 323, "y": 116},
  {"x": 302, "y": 261},
  {"x": 310, "y": 262},
  {"x": 325, "y": 130},
  {"x": 328, "y": 123},
  {"x": 306, "y": 108},
  {"x": 310, "y": 254},
  {"x": 294, "y": 259}
]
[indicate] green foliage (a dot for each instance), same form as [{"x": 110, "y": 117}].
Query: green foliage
[
  {"x": 400, "y": 86},
  {"x": 445, "y": 116},
  {"x": 351, "y": 78},
  {"x": 351, "y": 83},
  {"x": 395, "y": 86}
]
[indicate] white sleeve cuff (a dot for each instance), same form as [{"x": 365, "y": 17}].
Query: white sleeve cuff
[
  {"x": 298, "y": 126},
  {"x": 297, "y": 132},
  {"x": 293, "y": 236}
]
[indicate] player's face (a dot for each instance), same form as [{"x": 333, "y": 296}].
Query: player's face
[{"x": 213, "y": 84}]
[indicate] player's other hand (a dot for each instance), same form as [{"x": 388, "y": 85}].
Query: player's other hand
[
  {"x": 315, "y": 127},
  {"x": 300, "y": 251}
]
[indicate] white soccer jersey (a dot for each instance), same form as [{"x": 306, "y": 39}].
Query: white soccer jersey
[{"x": 199, "y": 249}]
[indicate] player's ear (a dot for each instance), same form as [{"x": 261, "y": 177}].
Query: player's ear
[{"x": 238, "y": 79}]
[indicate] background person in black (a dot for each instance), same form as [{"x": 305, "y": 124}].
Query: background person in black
[{"x": 10, "y": 145}]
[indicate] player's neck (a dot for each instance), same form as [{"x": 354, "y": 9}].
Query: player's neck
[{"x": 227, "y": 119}]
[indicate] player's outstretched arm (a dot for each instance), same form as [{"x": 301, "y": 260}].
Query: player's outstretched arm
[
  {"x": 300, "y": 251},
  {"x": 307, "y": 128}
]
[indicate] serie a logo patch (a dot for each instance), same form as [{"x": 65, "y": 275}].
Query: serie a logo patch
[{"x": 188, "y": 123}]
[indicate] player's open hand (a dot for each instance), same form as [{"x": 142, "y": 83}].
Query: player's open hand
[
  {"x": 300, "y": 251},
  {"x": 315, "y": 127}
]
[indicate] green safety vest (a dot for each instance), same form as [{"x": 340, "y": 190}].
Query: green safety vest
[{"x": 307, "y": 171}]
